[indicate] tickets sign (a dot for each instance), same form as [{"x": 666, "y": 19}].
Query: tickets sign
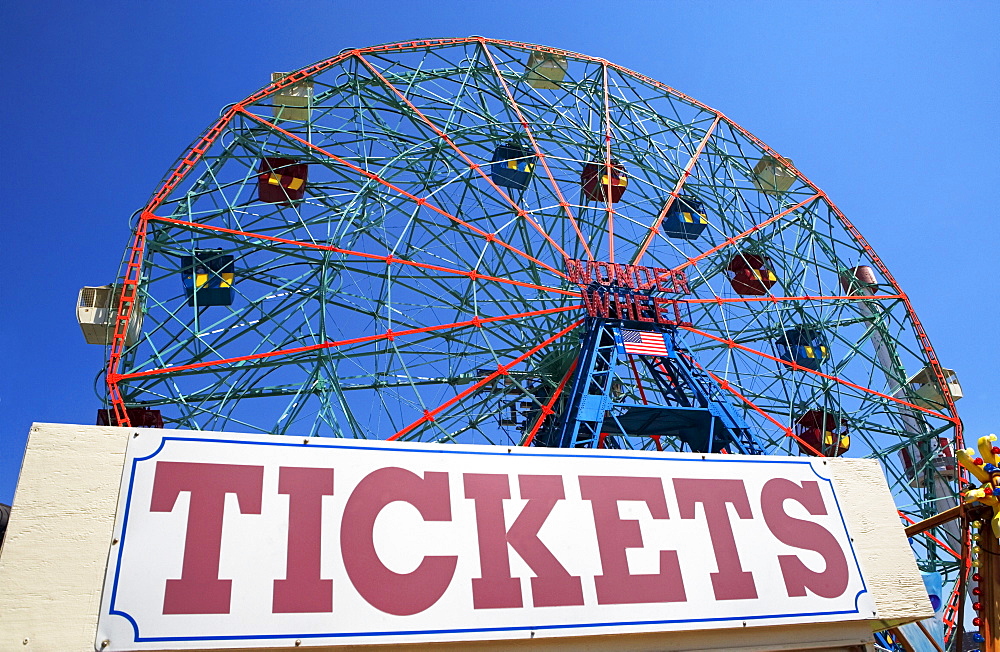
[{"x": 239, "y": 541}]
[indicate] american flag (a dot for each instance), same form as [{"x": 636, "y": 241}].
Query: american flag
[{"x": 644, "y": 343}]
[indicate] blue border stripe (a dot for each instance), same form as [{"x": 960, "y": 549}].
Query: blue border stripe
[
  {"x": 512, "y": 450},
  {"x": 414, "y": 632}
]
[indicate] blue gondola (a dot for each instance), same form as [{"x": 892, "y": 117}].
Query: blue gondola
[
  {"x": 686, "y": 219},
  {"x": 208, "y": 278},
  {"x": 512, "y": 166},
  {"x": 804, "y": 345}
]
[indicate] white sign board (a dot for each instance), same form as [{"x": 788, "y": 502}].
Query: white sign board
[{"x": 239, "y": 541}]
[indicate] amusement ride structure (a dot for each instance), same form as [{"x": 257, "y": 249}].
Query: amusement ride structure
[{"x": 480, "y": 241}]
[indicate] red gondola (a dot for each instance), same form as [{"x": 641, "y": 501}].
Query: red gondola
[
  {"x": 138, "y": 418},
  {"x": 751, "y": 274},
  {"x": 597, "y": 176},
  {"x": 281, "y": 180},
  {"x": 824, "y": 432}
]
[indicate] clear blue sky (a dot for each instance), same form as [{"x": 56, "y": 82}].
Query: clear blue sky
[{"x": 890, "y": 107}]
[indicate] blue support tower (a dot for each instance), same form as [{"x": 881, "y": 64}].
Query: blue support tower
[{"x": 670, "y": 398}]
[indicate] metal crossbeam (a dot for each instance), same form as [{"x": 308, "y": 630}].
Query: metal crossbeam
[{"x": 605, "y": 409}]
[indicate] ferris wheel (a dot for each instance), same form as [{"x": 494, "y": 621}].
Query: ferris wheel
[{"x": 470, "y": 240}]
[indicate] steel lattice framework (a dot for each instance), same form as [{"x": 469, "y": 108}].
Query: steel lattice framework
[{"x": 407, "y": 295}]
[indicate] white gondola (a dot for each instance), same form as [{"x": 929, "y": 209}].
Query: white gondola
[
  {"x": 292, "y": 102},
  {"x": 925, "y": 391},
  {"x": 773, "y": 175},
  {"x": 96, "y": 310},
  {"x": 546, "y": 70}
]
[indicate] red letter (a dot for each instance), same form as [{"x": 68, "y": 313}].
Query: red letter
[
  {"x": 663, "y": 306},
  {"x": 602, "y": 274},
  {"x": 807, "y": 535},
  {"x": 199, "y": 590},
  {"x": 645, "y": 280},
  {"x": 642, "y": 305},
  {"x": 664, "y": 279},
  {"x": 597, "y": 303},
  {"x": 633, "y": 275},
  {"x": 623, "y": 274},
  {"x": 400, "y": 594},
  {"x": 614, "y": 535},
  {"x": 731, "y": 582},
  {"x": 552, "y": 586},
  {"x": 302, "y": 590},
  {"x": 623, "y": 306},
  {"x": 660, "y": 308},
  {"x": 681, "y": 282},
  {"x": 575, "y": 271}
]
